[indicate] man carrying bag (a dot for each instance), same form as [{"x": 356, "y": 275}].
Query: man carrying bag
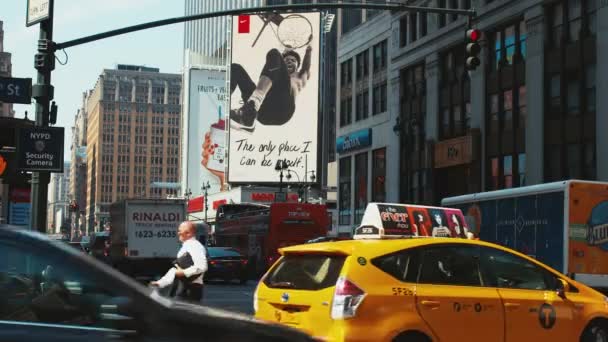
[{"x": 186, "y": 276}]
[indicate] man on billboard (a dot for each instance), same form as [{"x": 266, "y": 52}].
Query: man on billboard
[{"x": 273, "y": 100}]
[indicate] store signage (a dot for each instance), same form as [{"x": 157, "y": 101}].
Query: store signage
[
  {"x": 269, "y": 197},
  {"x": 354, "y": 141},
  {"x": 454, "y": 152}
]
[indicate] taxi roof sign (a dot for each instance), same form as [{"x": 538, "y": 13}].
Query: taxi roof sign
[{"x": 396, "y": 220}]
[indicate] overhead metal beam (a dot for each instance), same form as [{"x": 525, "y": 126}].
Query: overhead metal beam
[{"x": 255, "y": 10}]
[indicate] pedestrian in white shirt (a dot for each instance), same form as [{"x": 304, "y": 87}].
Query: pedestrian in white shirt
[{"x": 190, "y": 277}]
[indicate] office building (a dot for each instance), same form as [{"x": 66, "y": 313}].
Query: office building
[
  {"x": 133, "y": 138},
  {"x": 527, "y": 115},
  {"x": 78, "y": 171},
  {"x": 57, "y": 210}
]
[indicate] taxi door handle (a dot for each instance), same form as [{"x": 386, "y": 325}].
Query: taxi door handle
[
  {"x": 512, "y": 306},
  {"x": 430, "y": 303}
]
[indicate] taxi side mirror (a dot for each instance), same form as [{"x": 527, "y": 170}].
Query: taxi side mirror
[{"x": 562, "y": 288}]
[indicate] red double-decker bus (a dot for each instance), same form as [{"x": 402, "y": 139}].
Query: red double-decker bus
[{"x": 258, "y": 231}]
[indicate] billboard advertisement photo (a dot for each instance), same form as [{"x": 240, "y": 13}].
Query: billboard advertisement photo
[
  {"x": 274, "y": 89},
  {"x": 206, "y": 138}
]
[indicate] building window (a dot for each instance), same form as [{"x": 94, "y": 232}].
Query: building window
[
  {"x": 346, "y": 78},
  {"x": 422, "y": 24},
  {"x": 380, "y": 55},
  {"x": 345, "y": 191},
  {"x": 440, "y": 16},
  {"x": 362, "y": 106},
  {"x": 413, "y": 27},
  {"x": 574, "y": 19},
  {"x": 506, "y": 106},
  {"x": 414, "y": 161},
  {"x": 590, "y": 88},
  {"x": 379, "y": 99},
  {"x": 351, "y": 18},
  {"x": 379, "y": 175},
  {"x": 403, "y": 37},
  {"x": 362, "y": 65},
  {"x": 573, "y": 97},
  {"x": 346, "y": 112},
  {"x": 557, "y": 25},
  {"x": 591, "y": 12},
  {"x": 453, "y": 5},
  {"x": 454, "y": 95},
  {"x": 508, "y": 171},
  {"x": 360, "y": 185},
  {"x": 494, "y": 168}
]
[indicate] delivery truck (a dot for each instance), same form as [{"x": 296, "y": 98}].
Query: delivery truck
[
  {"x": 562, "y": 224},
  {"x": 143, "y": 235}
]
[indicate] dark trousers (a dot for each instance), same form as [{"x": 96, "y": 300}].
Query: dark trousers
[
  {"x": 279, "y": 105},
  {"x": 187, "y": 291}
]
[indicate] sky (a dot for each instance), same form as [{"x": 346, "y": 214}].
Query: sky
[{"x": 160, "y": 47}]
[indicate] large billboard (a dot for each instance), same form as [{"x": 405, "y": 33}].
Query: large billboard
[
  {"x": 205, "y": 126},
  {"x": 274, "y": 85}
]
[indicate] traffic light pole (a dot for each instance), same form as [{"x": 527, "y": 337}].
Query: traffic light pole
[{"x": 42, "y": 92}]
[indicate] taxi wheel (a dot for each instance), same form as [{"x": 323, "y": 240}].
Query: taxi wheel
[
  {"x": 596, "y": 332},
  {"x": 412, "y": 336}
]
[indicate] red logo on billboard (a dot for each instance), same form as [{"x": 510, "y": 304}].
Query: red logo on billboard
[
  {"x": 244, "y": 23},
  {"x": 216, "y": 204},
  {"x": 196, "y": 204}
]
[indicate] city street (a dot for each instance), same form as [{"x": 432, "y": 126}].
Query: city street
[{"x": 230, "y": 296}]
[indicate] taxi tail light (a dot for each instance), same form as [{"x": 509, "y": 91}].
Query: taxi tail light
[{"x": 347, "y": 298}]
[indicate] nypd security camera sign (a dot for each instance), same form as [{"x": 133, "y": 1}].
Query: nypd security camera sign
[{"x": 40, "y": 149}]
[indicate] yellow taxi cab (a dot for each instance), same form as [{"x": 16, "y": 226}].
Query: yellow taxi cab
[{"x": 379, "y": 287}]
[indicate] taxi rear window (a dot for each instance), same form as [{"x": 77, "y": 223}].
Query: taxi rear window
[{"x": 306, "y": 272}]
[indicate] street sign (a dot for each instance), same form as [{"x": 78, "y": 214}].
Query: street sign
[
  {"x": 40, "y": 149},
  {"x": 37, "y": 11},
  {"x": 16, "y": 90}
]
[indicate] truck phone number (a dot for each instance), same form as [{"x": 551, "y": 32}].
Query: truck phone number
[{"x": 155, "y": 234}]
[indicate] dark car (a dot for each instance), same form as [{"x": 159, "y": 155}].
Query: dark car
[
  {"x": 227, "y": 264},
  {"x": 51, "y": 292},
  {"x": 99, "y": 245}
]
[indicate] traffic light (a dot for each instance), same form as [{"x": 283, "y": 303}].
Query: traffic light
[{"x": 473, "y": 49}]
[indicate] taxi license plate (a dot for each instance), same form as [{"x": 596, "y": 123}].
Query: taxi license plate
[{"x": 286, "y": 317}]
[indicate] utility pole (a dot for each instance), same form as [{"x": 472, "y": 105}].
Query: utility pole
[
  {"x": 42, "y": 92},
  {"x": 206, "y": 188}
]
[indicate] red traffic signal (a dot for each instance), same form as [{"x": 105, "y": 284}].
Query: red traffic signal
[
  {"x": 473, "y": 49},
  {"x": 473, "y": 35}
]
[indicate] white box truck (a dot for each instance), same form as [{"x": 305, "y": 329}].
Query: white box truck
[
  {"x": 144, "y": 235},
  {"x": 562, "y": 224}
]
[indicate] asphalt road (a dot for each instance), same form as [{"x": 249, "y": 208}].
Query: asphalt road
[{"x": 231, "y": 296}]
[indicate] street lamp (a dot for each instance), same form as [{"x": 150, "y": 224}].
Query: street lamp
[
  {"x": 204, "y": 189},
  {"x": 300, "y": 184},
  {"x": 281, "y": 166}
]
